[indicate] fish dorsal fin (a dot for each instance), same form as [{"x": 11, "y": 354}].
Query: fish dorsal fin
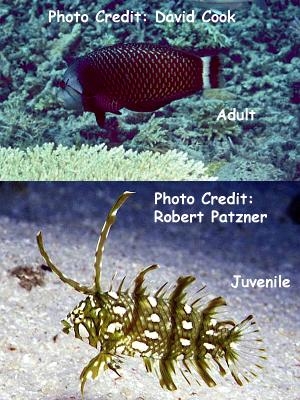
[
  {"x": 110, "y": 220},
  {"x": 75, "y": 285},
  {"x": 96, "y": 287},
  {"x": 178, "y": 295}
]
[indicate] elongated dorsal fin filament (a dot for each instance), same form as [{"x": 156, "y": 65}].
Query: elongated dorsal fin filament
[
  {"x": 95, "y": 288},
  {"x": 110, "y": 220},
  {"x": 75, "y": 285}
]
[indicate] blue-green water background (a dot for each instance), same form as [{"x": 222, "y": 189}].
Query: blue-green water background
[{"x": 259, "y": 71}]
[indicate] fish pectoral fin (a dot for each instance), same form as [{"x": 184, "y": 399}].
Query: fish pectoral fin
[
  {"x": 94, "y": 368},
  {"x": 100, "y": 118},
  {"x": 103, "y": 102},
  {"x": 99, "y": 105}
]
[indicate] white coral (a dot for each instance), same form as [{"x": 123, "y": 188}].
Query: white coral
[{"x": 97, "y": 163}]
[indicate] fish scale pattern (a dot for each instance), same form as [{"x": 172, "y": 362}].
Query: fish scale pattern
[{"x": 146, "y": 72}]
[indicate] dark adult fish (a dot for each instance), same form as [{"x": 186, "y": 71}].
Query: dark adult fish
[{"x": 139, "y": 77}]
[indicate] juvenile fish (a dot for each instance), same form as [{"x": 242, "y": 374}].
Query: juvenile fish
[
  {"x": 170, "y": 332},
  {"x": 137, "y": 76}
]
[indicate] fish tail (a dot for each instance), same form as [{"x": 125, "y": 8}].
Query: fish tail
[
  {"x": 211, "y": 71},
  {"x": 244, "y": 353}
]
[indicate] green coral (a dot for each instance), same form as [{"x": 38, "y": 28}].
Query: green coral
[
  {"x": 45, "y": 100},
  {"x": 97, "y": 163},
  {"x": 64, "y": 43},
  {"x": 214, "y": 167},
  {"x": 152, "y": 135},
  {"x": 19, "y": 127},
  {"x": 163, "y": 134},
  {"x": 205, "y": 119}
]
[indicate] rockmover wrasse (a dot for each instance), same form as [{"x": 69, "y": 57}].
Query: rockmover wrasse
[
  {"x": 137, "y": 76},
  {"x": 168, "y": 330}
]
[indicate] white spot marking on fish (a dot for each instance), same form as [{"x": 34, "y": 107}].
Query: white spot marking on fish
[
  {"x": 152, "y": 301},
  {"x": 79, "y": 319},
  {"x": 114, "y": 326},
  {"x": 139, "y": 346},
  {"x": 92, "y": 301},
  {"x": 151, "y": 335},
  {"x": 185, "y": 342},
  {"x": 187, "y": 308},
  {"x": 154, "y": 318},
  {"x": 119, "y": 310},
  {"x": 209, "y": 346},
  {"x": 83, "y": 332},
  {"x": 187, "y": 325},
  {"x": 120, "y": 349},
  {"x": 81, "y": 307},
  {"x": 113, "y": 295}
]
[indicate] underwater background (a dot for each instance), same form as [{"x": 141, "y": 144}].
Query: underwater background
[
  {"x": 180, "y": 141},
  {"x": 38, "y": 361}
]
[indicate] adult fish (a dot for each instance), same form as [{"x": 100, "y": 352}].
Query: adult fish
[{"x": 137, "y": 76}]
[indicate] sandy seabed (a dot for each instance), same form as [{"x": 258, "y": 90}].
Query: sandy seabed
[{"x": 38, "y": 361}]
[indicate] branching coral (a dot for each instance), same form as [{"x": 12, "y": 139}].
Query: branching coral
[
  {"x": 18, "y": 127},
  {"x": 196, "y": 35},
  {"x": 295, "y": 27},
  {"x": 205, "y": 121},
  {"x": 198, "y": 125},
  {"x": 97, "y": 163},
  {"x": 151, "y": 136},
  {"x": 64, "y": 43}
]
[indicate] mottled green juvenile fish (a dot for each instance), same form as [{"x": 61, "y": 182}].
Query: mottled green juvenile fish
[{"x": 164, "y": 329}]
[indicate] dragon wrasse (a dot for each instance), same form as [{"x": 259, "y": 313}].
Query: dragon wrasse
[
  {"x": 137, "y": 76},
  {"x": 168, "y": 330}
]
